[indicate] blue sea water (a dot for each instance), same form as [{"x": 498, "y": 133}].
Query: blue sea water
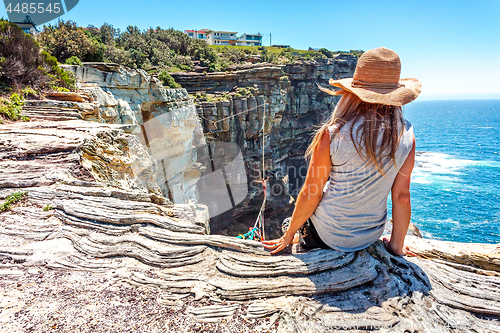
[{"x": 455, "y": 186}]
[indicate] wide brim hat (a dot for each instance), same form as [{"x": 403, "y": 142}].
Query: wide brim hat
[{"x": 376, "y": 80}]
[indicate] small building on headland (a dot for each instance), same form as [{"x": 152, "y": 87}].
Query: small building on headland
[
  {"x": 222, "y": 37},
  {"x": 213, "y": 37},
  {"x": 250, "y": 39}
]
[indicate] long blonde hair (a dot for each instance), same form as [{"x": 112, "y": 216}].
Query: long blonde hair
[{"x": 377, "y": 117}]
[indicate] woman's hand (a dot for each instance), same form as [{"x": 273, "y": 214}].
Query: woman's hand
[
  {"x": 404, "y": 251},
  {"x": 278, "y": 244}
]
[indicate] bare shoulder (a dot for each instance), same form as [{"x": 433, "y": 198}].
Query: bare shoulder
[{"x": 324, "y": 142}]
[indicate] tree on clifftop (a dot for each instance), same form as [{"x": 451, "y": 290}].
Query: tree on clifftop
[{"x": 66, "y": 39}]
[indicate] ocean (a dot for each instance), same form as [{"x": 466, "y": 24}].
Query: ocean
[{"x": 455, "y": 187}]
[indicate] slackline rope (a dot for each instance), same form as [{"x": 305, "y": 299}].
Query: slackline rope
[
  {"x": 264, "y": 187},
  {"x": 257, "y": 232}
]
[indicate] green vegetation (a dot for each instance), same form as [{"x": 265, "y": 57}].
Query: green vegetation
[
  {"x": 60, "y": 89},
  {"x": 24, "y": 64},
  {"x": 168, "y": 81},
  {"x": 238, "y": 54},
  {"x": 203, "y": 97},
  {"x": 154, "y": 50},
  {"x": 159, "y": 50},
  {"x": 11, "y": 108},
  {"x": 12, "y": 199},
  {"x": 66, "y": 40},
  {"x": 59, "y": 78},
  {"x": 74, "y": 60},
  {"x": 241, "y": 92},
  {"x": 47, "y": 208},
  {"x": 246, "y": 91},
  {"x": 31, "y": 93}
]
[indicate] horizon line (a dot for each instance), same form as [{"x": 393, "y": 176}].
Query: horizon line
[{"x": 472, "y": 96}]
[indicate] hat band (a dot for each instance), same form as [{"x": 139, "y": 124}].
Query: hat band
[{"x": 375, "y": 85}]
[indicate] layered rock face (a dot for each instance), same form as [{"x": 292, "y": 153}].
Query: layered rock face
[
  {"x": 164, "y": 120},
  {"x": 278, "y": 106}
]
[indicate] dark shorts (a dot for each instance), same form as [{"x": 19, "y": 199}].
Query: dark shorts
[{"x": 309, "y": 238}]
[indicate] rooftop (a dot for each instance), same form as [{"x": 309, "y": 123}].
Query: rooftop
[
  {"x": 198, "y": 31},
  {"x": 224, "y": 31},
  {"x": 257, "y": 34}
]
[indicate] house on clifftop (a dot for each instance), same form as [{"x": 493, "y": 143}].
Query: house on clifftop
[
  {"x": 213, "y": 37},
  {"x": 222, "y": 37},
  {"x": 197, "y": 34},
  {"x": 250, "y": 39}
]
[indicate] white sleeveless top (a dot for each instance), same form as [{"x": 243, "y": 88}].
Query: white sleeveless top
[{"x": 353, "y": 211}]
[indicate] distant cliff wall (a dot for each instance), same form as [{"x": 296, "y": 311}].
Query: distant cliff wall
[{"x": 233, "y": 106}]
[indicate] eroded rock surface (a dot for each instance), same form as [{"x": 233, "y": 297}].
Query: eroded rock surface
[{"x": 80, "y": 253}]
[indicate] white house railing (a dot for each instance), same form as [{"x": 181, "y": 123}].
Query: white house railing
[{"x": 225, "y": 37}]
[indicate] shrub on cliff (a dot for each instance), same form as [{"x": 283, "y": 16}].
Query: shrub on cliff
[
  {"x": 74, "y": 60},
  {"x": 165, "y": 49},
  {"x": 168, "y": 81},
  {"x": 106, "y": 34},
  {"x": 11, "y": 108},
  {"x": 266, "y": 56},
  {"x": 12, "y": 199},
  {"x": 231, "y": 55},
  {"x": 22, "y": 64},
  {"x": 326, "y": 52},
  {"x": 59, "y": 78},
  {"x": 20, "y": 59}
]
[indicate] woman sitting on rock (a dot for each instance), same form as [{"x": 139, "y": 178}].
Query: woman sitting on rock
[{"x": 363, "y": 152}]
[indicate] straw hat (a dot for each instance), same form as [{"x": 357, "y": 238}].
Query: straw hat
[{"x": 376, "y": 80}]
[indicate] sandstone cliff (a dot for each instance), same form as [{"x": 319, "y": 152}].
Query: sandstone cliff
[{"x": 164, "y": 120}]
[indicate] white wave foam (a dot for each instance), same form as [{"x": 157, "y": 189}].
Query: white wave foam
[
  {"x": 448, "y": 221},
  {"x": 427, "y": 235},
  {"x": 439, "y": 167}
]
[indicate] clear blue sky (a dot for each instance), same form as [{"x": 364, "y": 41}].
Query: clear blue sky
[{"x": 453, "y": 47}]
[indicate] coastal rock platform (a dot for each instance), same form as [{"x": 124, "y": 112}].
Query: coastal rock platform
[{"x": 94, "y": 247}]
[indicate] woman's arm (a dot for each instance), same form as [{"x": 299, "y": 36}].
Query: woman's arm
[
  {"x": 311, "y": 193},
  {"x": 401, "y": 206}
]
